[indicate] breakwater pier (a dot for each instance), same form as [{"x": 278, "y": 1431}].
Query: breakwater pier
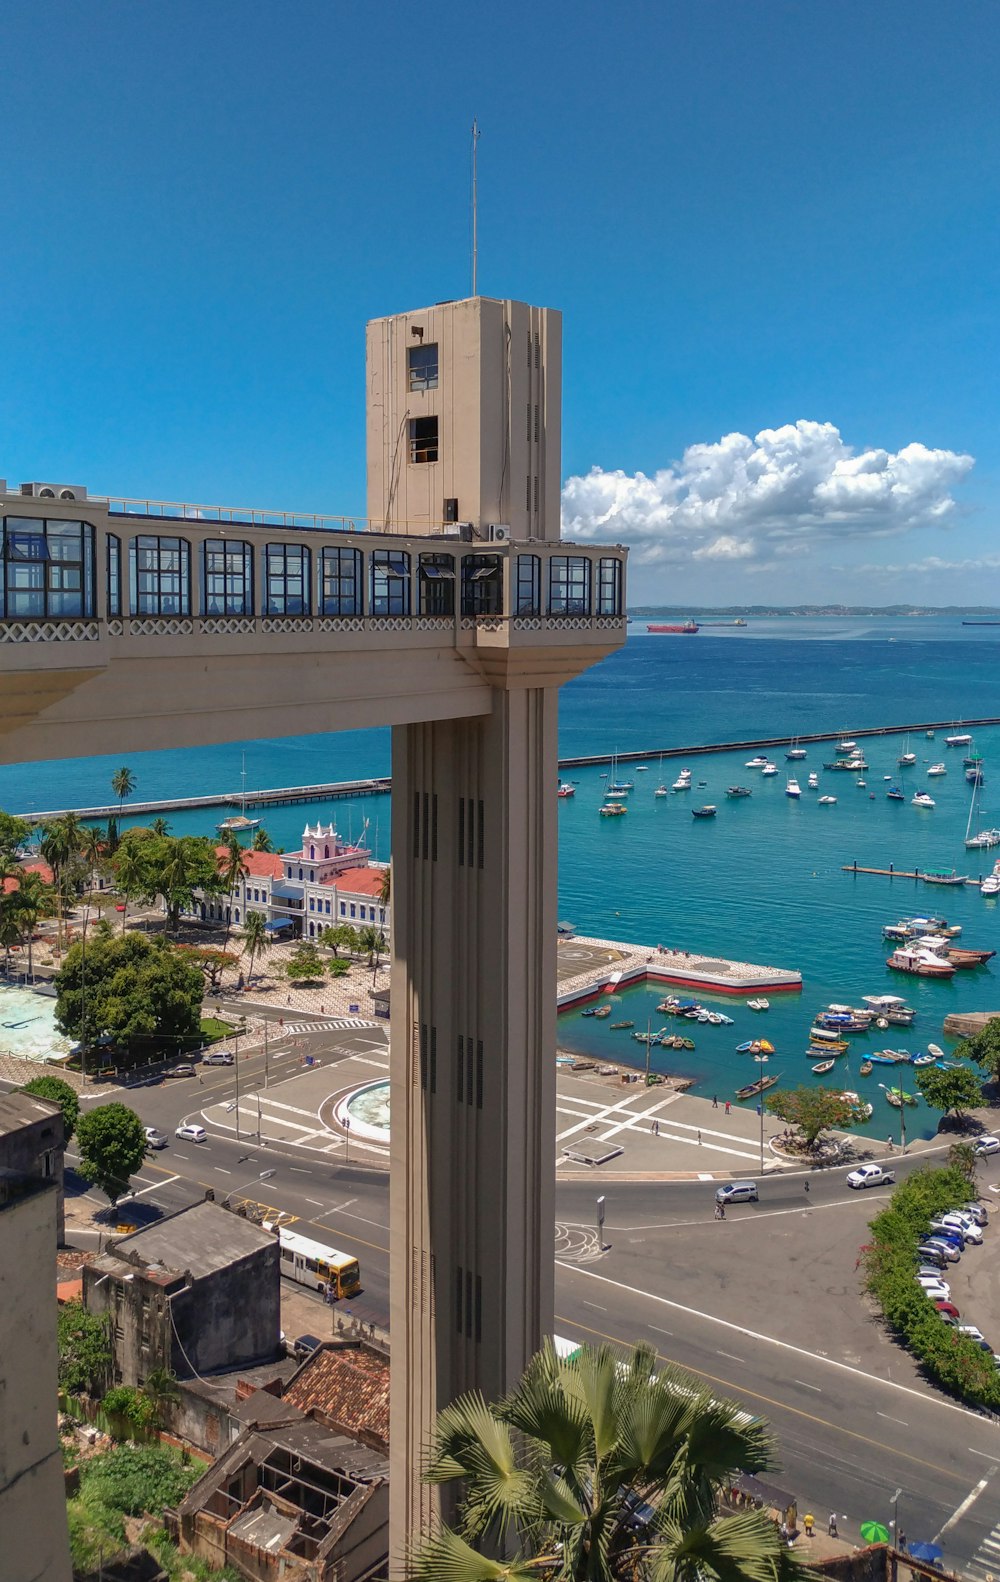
[{"x": 280, "y": 796}]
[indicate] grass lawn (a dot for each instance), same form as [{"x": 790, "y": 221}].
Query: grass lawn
[{"x": 212, "y": 1030}]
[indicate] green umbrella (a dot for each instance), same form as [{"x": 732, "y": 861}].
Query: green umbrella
[{"x": 874, "y": 1533}]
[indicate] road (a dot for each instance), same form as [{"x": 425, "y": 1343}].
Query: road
[{"x": 764, "y": 1307}]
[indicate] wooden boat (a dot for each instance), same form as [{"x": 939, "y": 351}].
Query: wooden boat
[
  {"x": 613, "y": 810},
  {"x": 920, "y": 962},
  {"x": 968, "y": 958},
  {"x": 823, "y": 1067},
  {"x": 617, "y": 1026},
  {"x": 897, "y": 1098},
  {"x": 923, "y": 1060},
  {"x": 865, "y": 1068},
  {"x": 708, "y": 811},
  {"x": 827, "y": 1037},
  {"x": 753, "y": 1088},
  {"x": 936, "y": 1051},
  {"x": 589, "y": 1010},
  {"x": 603, "y": 1010},
  {"x": 888, "y": 1057},
  {"x": 759, "y": 1004}
]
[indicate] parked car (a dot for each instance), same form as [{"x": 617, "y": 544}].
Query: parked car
[
  {"x": 185, "y": 1069},
  {"x": 975, "y": 1211},
  {"x": 947, "y": 1309},
  {"x": 951, "y": 1252},
  {"x": 986, "y": 1145},
  {"x": 931, "y": 1269},
  {"x": 973, "y": 1332},
  {"x": 190, "y": 1133},
  {"x": 218, "y": 1057},
  {"x": 155, "y": 1138},
  {"x": 934, "y": 1288},
  {"x": 870, "y": 1175},
  {"x": 932, "y": 1255},
  {"x": 969, "y": 1229},
  {"x": 305, "y": 1345},
  {"x": 737, "y": 1192},
  {"x": 949, "y": 1233}
]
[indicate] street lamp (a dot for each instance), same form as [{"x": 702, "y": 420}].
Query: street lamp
[
  {"x": 761, "y": 1061},
  {"x": 265, "y": 1175}
]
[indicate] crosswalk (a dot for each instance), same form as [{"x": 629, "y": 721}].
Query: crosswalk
[
  {"x": 985, "y": 1563},
  {"x": 334, "y": 1024}
]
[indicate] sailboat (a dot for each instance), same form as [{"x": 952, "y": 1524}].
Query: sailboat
[
  {"x": 616, "y": 788},
  {"x": 906, "y": 759},
  {"x": 983, "y": 838},
  {"x": 794, "y": 750},
  {"x": 239, "y": 821}
]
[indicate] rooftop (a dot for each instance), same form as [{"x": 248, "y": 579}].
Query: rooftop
[
  {"x": 348, "y": 1386},
  {"x": 358, "y": 881},
  {"x": 199, "y": 1240},
  {"x": 23, "y": 1109}
]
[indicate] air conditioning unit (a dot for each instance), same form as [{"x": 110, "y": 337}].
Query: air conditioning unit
[
  {"x": 499, "y": 533},
  {"x": 54, "y": 491}
]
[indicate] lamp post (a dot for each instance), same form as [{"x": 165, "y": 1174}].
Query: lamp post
[
  {"x": 265, "y": 1175},
  {"x": 894, "y": 1524},
  {"x": 761, "y": 1061}
]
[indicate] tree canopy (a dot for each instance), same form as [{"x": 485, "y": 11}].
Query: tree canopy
[
  {"x": 84, "y": 1349},
  {"x": 984, "y": 1047},
  {"x": 305, "y": 965},
  {"x": 112, "y": 1143},
  {"x": 58, "y": 1092},
  {"x": 597, "y": 1467},
  {"x": 128, "y": 987},
  {"x": 956, "y": 1090},
  {"x": 148, "y": 864},
  {"x": 14, "y": 832},
  {"x": 813, "y": 1110}
]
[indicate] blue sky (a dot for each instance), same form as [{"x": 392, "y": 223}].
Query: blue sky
[{"x": 775, "y": 220}]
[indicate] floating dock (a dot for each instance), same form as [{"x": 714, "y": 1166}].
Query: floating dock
[{"x": 906, "y": 873}]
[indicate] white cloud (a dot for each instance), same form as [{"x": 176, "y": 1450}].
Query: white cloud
[
  {"x": 765, "y": 498},
  {"x": 930, "y": 565}
]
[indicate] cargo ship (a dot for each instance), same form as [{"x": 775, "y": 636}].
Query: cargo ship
[{"x": 686, "y": 628}]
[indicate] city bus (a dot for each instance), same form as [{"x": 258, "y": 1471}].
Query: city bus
[{"x": 324, "y": 1268}]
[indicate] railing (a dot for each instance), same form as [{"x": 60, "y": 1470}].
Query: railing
[{"x": 252, "y": 516}]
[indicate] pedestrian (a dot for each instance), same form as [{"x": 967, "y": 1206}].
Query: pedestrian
[
  {"x": 715, "y": 1101},
  {"x": 831, "y": 1525},
  {"x": 699, "y": 1139},
  {"x": 901, "y": 1540},
  {"x": 728, "y": 1107},
  {"x": 808, "y": 1523},
  {"x": 784, "y": 1531},
  {"x": 806, "y": 1186},
  {"x": 888, "y": 1144}
]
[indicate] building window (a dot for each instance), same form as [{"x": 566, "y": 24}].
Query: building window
[
  {"x": 390, "y": 582},
  {"x": 114, "y": 552},
  {"x": 343, "y": 909},
  {"x": 609, "y": 587},
  {"x": 529, "y": 585},
  {"x": 286, "y": 580},
  {"x": 482, "y": 585},
  {"x": 312, "y": 904},
  {"x": 569, "y": 585},
  {"x": 352, "y": 909},
  {"x": 328, "y": 909},
  {"x": 422, "y": 366},
  {"x": 423, "y": 439},
  {"x": 48, "y": 569},
  {"x": 161, "y": 576},
  {"x": 226, "y": 577},
  {"x": 436, "y": 584},
  {"x": 340, "y": 582}
]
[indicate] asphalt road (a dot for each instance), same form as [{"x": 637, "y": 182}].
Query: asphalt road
[{"x": 764, "y": 1307}]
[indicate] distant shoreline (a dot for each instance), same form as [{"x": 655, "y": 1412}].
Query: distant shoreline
[{"x": 814, "y": 611}]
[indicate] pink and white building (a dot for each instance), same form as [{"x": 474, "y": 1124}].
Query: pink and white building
[{"x": 324, "y": 883}]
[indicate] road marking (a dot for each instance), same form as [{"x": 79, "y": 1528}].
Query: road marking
[
  {"x": 185, "y": 1157},
  {"x": 733, "y": 1358},
  {"x": 988, "y": 1455},
  {"x": 889, "y": 1419},
  {"x": 222, "y": 1171},
  {"x": 153, "y": 1185},
  {"x": 598, "y": 1306},
  {"x": 960, "y": 1510},
  {"x": 659, "y": 1331},
  {"x": 302, "y": 1170},
  {"x": 770, "y": 1401},
  {"x": 770, "y": 1340},
  {"x": 807, "y": 1386},
  {"x": 381, "y": 1223}
]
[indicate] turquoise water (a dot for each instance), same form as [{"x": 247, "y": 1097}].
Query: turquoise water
[{"x": 761, "y": 882}]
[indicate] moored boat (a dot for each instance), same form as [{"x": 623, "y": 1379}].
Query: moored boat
[
  {"x": 959, "y": 739},
  {"x": 865, "y": 1068},
  {"x": 825, "y": 801},
  {"x": 738, "y": 791},
  {"x": 792, "y": 787},
  {"x": 936, "y": 769},
  {"x": 897, "y": 1098},
  {"x": 616, "y": 1027},
  {"x": 822, "y": 1067},
  {"x": 565, "y": 789},
  {"x": 922, "y": 799},
  {"x": 753, "y": 1088},
  {"x": 920, "y": 962},
  {"x": 603, "y": 1010},
  {"x": 708, "y": 811},
  {"x": 613, "y": 810},
  {"x": 675, "y": 628}
]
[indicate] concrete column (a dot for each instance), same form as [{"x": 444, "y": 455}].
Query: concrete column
[{"x": 472, "y": 1069}]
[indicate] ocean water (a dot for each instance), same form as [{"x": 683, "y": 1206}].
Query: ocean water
[{"x": 761, "y": 882}]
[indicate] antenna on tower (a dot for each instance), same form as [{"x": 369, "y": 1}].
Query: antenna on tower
[{"x": 475, "y": 205}]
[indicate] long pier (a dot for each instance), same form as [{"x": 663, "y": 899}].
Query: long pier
[
  {"x": 904, "y": 873},
  {"x": 382, "y": 785}
]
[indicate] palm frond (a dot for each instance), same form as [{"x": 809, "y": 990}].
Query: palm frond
[
  {"x": 473, "y": 1444},
  {"x": 448, "y": 1558},
  {"x": 741, "y": 1548}
]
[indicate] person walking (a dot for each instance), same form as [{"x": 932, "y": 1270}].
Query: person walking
[
  {"x": 831, "y": 1525},
  {"x": 728, "y": 1107},
  {"x": 805, "y": 1185},
  {"x": 715, "y": 1101},
  {"x": 699, "y": 1139},
  {"x": 888, "y": 1144}
]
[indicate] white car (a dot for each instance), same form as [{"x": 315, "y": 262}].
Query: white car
[
  {"x": 958, "y": 1221},
  {"x": 934, "y": 1288},
  {"x": 972, "y": 1333},
  {"x": 155, "y": 1138},
  {"x": 870, "y": 1175},
  {"x": 975, "y": 1212},
  {"x": 986, "y": 1145},
  {"x": 189, "y": 1133}
]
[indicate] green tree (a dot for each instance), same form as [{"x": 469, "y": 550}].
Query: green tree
[
  {"x": 956, "y": 1090},
  {"x": 261, "y": 841},
  {"x": 256, "y": 939},
  {"x": 813, "y": 1110},
  {"x": 59, "y": 1092},
  {"x": 160, "y": 1389},
  {"x": 112, "y": 1143},
  {"x": 962, "y": 1157},
  {"x": 232, "y": 866},
  {"x": 122, "y": 784},
  {"x": 93, "y": 849},
  {"x": 385, "y": 887},
  {"x": 159, "y": 826},
  {"x": 147, "y": 865},
  {"x": 60, "y": 846},
  {"x": 305, "y": 965},
  {"x": 14, "y": 833},
  {"x": 32, "y": 900},
  {"x": 84, "y": 1342},
  {"x": 553, "y": 1476},
  {"x": 341, "y": 936},
  {"x": 131, "y": 874},
  {"x": 984, "y": 1047},
  {"x": 372, "y": 940},
  {"x": 128, "y": 987},
  {"x": 137, "y": 1478}
]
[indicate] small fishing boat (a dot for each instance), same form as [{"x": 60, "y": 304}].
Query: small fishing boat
[
  {"x": 923, "y": 963},
  {"x": 752, "y": 1047},
  {"x": 641, "y": 769},
  {"x": 865, "y": 1068},
  {"x": 708, "y": 811},
  {"x": 895, "y": 794},
  {"x": 759, "y": 1004},
  {"x": 861, "y": 783},
  {"x": 936, "y": 769},
  {"x": 822, "y": 1067},
  {"x": 738, "y": 791},
  {"x": 887, "y": 1057},
  {"x": 616, "y": 1027},
  {"x": 565, "y": 789},
  {"x": 923, "y": 1060},
  {"x": 589, "y": 1010},
  {"x": 943, "y": 876},
  {"x": 613, "y": 810},
  {"x": 935, "y": 1051},
  {"x": 753, "y": 1088},
  {"x": 792, "y": 787},
  {"x": 661, "y": 791},
  {"x": 897, "y": 1098},
  {"x": 922, "y": 799},
  {"x": 602, "y": 1011},
  {"x": 685, "y": 1043},
  {"x": 768, "y": 770},
  {"x": 825, "y": 801},
  {"x": 949, "y": 1065}
]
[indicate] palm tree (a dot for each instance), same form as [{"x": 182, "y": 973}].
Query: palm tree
[
  {"x": 159, "y": 826},
  {"x": 60, "y": 847},
  {"x": 232, "y": 867},
  {"x": 385, "y": 886},
  {"x": 261, "y": 841},
  {"x": 122, "y": 784},
  {"x": 596, "y": 1469},
  {"x": 93, "y": 849},
  {"x": 371, "y": 939},
  {"x": 130, "y": 875},
  {"x": 256, "y": 938},
  {"x": 32, "y": 900},
  {"x": 160, "y": 1390}
]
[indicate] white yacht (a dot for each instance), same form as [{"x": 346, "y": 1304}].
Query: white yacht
[
  {"x": 936, "y": 769},
  {"x": 769, "y": 768},
  {"x": 825, "y": 801},
  {"x": 922, "y": 799},
  {"x": 683, "y": 781},
  {"x": 792, "y": 787},
  {"x": 661, "y": 790},
  {"x": 813, "y": 781},
  {"x": 756, "y": 763},
  {"x": 961, "y": 740}
]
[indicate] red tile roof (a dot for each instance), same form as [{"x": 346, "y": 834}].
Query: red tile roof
[
  {"x": 258, "y": 864},
  {"x": 41, "y": 868},
  {"x": 359, "y": 881},
  {"x": 348, "y": 1388}
]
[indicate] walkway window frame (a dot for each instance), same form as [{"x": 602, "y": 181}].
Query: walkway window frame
[
  {"x": 113, "y": 552},
  {"x": 341, "y": 581},
  {"x": 389, "y": 580},
  {"x": 528, "y": 587},
  {"x": 227, "y": 577},
  {"x": 609, "y": 585},
  {"x": 286, "y": 580},
  {"x": 569, "y": 585},
  {"x": 436, "y": 585},
  {"x": 482, "y": 585},
  {"x": 47, "y": 569},
  {"x": 159, "y": 576}
]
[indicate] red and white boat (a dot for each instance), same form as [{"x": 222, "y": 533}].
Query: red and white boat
[{"x": 921, "y": 962}]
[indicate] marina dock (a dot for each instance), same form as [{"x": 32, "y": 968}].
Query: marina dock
[
  {"x": 277, "y": 797},
  {"x": 904, "y": 873}
]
